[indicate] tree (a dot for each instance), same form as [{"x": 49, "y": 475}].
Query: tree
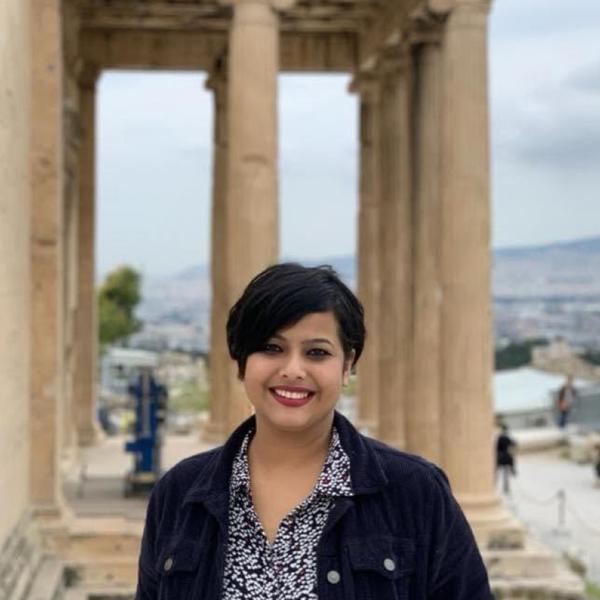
[
  {"x": 517, "y": 354},
  {"x": 117, "y": 298}
]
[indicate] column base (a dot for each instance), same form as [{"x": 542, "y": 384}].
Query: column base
[
  {"x": 90, "y": 435},
  {"x": 495, "y": 528},
  {"x": 531, "y": 572}
]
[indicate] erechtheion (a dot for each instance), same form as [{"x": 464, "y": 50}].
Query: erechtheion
[{"x": 419, "y": 68}]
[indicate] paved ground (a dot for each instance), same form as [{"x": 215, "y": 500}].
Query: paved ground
[
  {"x": 572, "y": 525},
  {"x": 97, "y": 488}
]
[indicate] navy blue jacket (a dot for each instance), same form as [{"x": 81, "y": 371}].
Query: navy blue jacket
[{"x": 402, "y": 510}]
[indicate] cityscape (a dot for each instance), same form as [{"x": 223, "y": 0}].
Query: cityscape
[{"x": 550, "y": 291}]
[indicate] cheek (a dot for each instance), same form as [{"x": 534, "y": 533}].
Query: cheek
[
  {"x": 333, "y": 377},
  {"x": 257, "y": 371}
]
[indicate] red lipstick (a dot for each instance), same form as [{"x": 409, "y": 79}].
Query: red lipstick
[{"x": 292, "y": 402}]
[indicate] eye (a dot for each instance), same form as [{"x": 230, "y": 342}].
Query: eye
[
  {"x": 318, "y": 353},
  {"x": 271, "y": 348}
]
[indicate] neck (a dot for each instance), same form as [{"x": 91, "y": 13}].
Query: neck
[{"x": 290, "y": 448}]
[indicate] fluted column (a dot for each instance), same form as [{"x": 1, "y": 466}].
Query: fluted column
[
  {"x": 219, "y": 361},
  {"x": 15, "y": 263},
  {"x": 423, "y": 411},
  {"x": 46, "y": 255},
  {"x": 369, "y": 247},
  {"x": 395, "y": 327},
  {"x": 86, "y": 330},
  {"x": 467, "y": 435},
  {"x": 252, "y": 181}
]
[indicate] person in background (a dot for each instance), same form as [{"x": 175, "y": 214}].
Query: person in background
[
  {"x": 505, "y": 457},
  {"x": 566, "y": 398},
  {"x": 596, "y": 460}
]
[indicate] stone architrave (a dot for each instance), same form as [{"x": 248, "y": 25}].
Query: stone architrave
[
  {"x": 46, "y": 256},
  {"x": 252, "y": 181},
  {"x": 396, "y": 312},
  {"x": 466, "y": 374},
  {"x": 219, "y": 362},
  {"x": 86, "y": 336},
  {"x": 369, "y": 247},
  {"x": 423, "y": 410}
]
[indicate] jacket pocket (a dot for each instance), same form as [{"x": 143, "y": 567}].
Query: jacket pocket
[
  {"x": 381, "y": 567},
  {"x": 178, "y": 565}
]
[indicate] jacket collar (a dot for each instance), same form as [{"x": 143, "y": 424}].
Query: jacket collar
[{"x": 212, "y": 482}]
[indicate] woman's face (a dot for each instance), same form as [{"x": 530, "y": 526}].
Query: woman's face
[{"x": 295, "y": 380}]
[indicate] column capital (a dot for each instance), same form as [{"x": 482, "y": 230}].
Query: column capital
[
  {"x": 87, "y": 74},
  {"x": 443, "y": 7},
  {"x": 395, "y": 59},
  {"x": 217, "y": 76},
  {"x": 430, "y": 30},
  {"x": 277, "y": 5},
  {"x": 366, "y": 84}
]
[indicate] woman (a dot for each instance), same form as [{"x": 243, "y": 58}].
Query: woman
[{"x": 297, "y": 505}]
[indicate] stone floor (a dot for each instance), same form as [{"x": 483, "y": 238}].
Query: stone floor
[
  {"x": 535, "y": 500},
  {"x": 96, "y": 488}
]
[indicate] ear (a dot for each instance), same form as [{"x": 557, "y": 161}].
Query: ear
[{"x": 348, "y": 368}]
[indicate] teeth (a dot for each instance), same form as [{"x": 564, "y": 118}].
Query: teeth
[{"x": 293, "y": 395}]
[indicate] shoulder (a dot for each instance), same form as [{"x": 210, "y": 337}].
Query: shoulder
[
  {"x": 409, "y": 472},
  {"x": 180, "y": 479}
]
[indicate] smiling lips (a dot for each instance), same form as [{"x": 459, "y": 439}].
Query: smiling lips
[{"x": 292, "y": 397}]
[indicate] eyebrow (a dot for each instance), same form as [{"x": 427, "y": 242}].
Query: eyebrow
[{"x": 311, "y": 341}]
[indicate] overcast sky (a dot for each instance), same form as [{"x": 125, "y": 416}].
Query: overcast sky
[{"x": 155, "y": 147}]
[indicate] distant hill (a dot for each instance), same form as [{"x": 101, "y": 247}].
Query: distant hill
[{"x": 564, "y": 269}]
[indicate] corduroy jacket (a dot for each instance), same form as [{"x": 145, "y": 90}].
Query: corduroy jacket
[{"x": 402, "y": 536}]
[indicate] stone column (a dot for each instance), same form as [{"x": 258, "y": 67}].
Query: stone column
[
  {"x": 467, "y": 415},
  {"x": 69, "y": 267},
  {"x": 396, "y": 311},
  {"x": 219, "y": 361},
  {"x": 369, "y": 247},
  {"x": 252, "y": 188},
  {"x": 86, "y": 329},
  {"x": 15, "y": 264},
  {"x": 46, "y": 256},
  {"x": 423, "y": 409}
]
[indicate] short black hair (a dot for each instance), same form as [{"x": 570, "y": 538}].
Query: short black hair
[{"x": 280, "y": 296}]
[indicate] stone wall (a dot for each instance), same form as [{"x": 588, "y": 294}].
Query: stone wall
[{"x": 14, "y": 265}]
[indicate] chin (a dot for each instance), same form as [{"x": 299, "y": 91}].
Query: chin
[{"x": 294, "y": 419}]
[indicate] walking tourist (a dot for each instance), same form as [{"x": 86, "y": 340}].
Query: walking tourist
[
  {"x": 505, "y": 457},
  {"x": 596, "y": 462},
  {"x": 297, "y": 505},
  {"x": 566, "y": 398}
]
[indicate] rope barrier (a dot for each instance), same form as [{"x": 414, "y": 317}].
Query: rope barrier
[
  {"x": 589, "y": 528},
  {"x": 564, "y": 507},
  {"x": 533, "y": 500}
]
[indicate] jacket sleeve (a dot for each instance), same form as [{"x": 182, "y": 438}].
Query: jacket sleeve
[
  {"x": 148, "y": 580},
  {"x": 457, "y": 570}
]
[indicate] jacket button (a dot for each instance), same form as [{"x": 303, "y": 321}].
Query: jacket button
[
  {"x": 389, "y": 564},
  {"x": 168, "y": 564},
  {"x": 333, "y": 577}
]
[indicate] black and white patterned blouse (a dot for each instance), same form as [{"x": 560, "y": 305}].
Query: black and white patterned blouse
[{"x": 256, "y": 570}]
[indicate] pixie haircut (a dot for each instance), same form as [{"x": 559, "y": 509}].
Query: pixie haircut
[{"x": 280, "y": 296}]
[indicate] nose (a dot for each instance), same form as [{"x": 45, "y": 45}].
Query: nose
[{"x": 293, "y": 367}]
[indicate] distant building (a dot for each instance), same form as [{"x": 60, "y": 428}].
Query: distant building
[
  {"x": 525, "y": 398},
  {"x": 119, "y": 366}
]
